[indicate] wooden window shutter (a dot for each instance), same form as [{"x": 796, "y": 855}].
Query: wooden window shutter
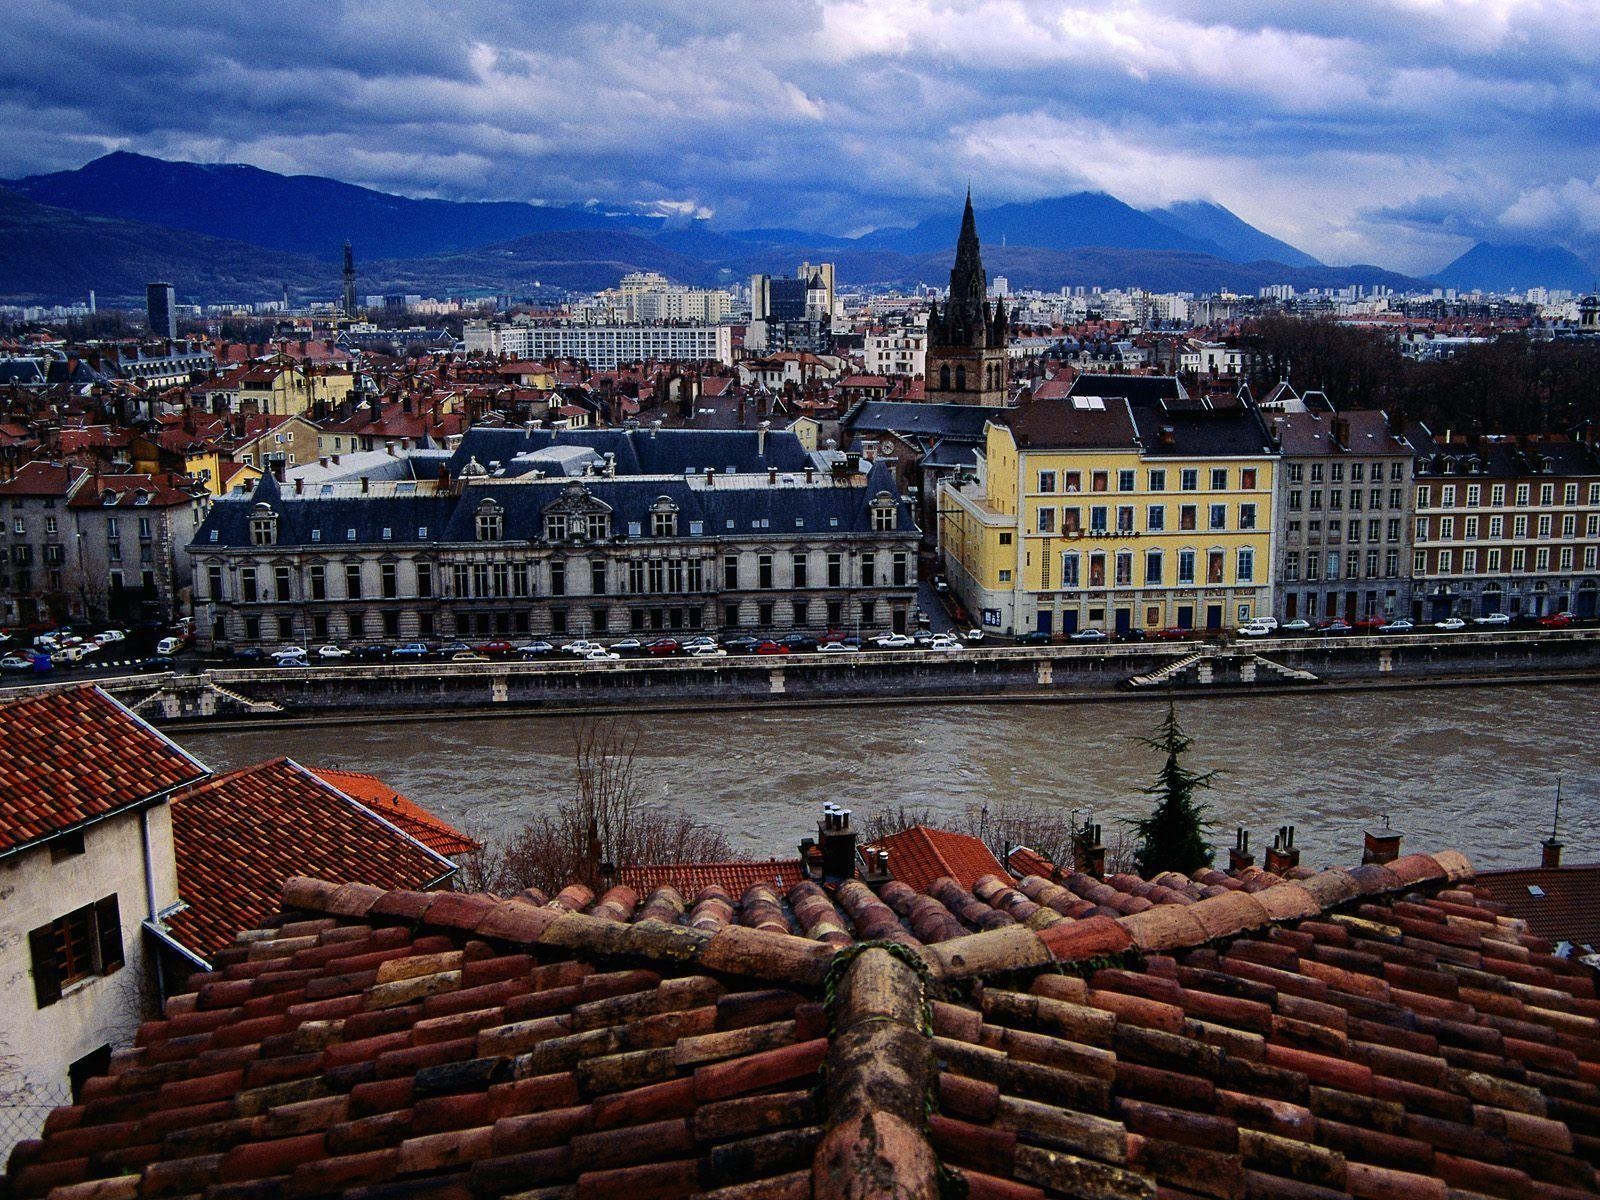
[
  {"x": 108, "y": 924},
  {"x": 46, "y": 976}
]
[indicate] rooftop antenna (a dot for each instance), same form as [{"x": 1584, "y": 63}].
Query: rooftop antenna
[{"x": 1557, "y": 819}]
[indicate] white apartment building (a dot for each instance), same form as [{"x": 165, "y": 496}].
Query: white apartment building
[
  {"x": 604, "y": 347},
  {"x": 896, "y": 352}
]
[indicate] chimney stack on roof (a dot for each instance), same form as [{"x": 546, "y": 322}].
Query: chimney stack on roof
[
  {"x": 1550, "y": 858},
  {"x": 836, "y": 838},
  {"x": 1283, "y": 856},
  {"x": 1381, "y": 845},
  {"x": 761, "y": 438},
  {"x": 1239, "y": 856}
]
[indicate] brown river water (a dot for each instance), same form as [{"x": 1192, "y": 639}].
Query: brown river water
[{"x": 1473, "y": 769}]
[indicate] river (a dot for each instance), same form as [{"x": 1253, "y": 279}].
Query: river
[{"x": 1474, "y": 769}]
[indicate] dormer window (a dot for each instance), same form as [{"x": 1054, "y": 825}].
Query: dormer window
[
  {"x": 108, "y": 498},
  {"x": 885, "y": 513},
  {"x": 491, "y": 522},
  {"x": 555, "y": 527},
  {"x": 140, "y": 496},
  {"x": 664, "y": 518},
  {"x": 263, "y": 526}
]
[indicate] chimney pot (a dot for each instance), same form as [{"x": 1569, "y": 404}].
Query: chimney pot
[
  {"x": 1381, "y": 846},
  {"x": 299, "y": 486},
  {"x": 1550, "y": 859}
]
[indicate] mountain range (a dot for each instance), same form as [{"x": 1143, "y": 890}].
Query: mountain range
[{"x": 234, "y": 232}]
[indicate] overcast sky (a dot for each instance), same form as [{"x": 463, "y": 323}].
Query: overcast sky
[{"x": 1386, "y": 131}]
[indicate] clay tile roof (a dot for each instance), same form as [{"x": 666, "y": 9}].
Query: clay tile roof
[
  {"x": 735, "y": 878},
  {"x": 72, "y": 756},
  {"x": 239, "y": 836},
  {"x": 1567, "y": 910},
  {"x": 434, "y": 833},
  {"x": 1407, "y": 1044},
  {"x": 919, "y": 855}
]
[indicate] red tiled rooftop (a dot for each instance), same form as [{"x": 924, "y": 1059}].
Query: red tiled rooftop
[
  {"x": 1565, "y": 908},
  {"x": 239, "y": 836},
  {"x": 734, "y": 877},
  {"x": 919, "y": 855},
  {"x": 71, "y": 756},
  {"x": 1374, "y": 1033},
  {"x": 436, "y": 834}
]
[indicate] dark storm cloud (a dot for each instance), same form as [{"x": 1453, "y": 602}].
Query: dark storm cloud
[{"x": 1364, "y": 130}]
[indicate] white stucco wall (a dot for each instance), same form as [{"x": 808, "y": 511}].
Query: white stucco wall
[{"x": 38, "y": 1045}]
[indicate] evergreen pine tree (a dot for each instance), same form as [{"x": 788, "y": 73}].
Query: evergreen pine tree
[{"x": 1173, "y": 836}]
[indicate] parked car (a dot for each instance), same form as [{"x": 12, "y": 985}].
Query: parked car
[
  {"x": 377, "y": 650},
  {"x": 771, "y": 647},
  {"x": 280, "y": 652},
  {"x": 663, "y": 646},
  {"x": 1131, "y": 634},
  {"x": 1335, "y": 627},
  {"x": 412, "y": 650},
  {"x": 893, "y": 641},
  {"x": 157, "y": 662},
  {"x": 600, "y": 654},
  {"x": 833, "y": 648},
  {"x": 250, "y": 654},
  {"x": 535, "y": 649},
  {"x": 941, "y": 585},
  {"x": 169, "y": 646},
  {"x": 1558, "y": 620},
  {"x": 468, "y": 656},
  {"x": 106, "y": 637},
  {"x": 332, "y": 652},
  {"x": 943, "y": 641},
  {"x": 291, "y": 660},
  {"x": 1254, "y": 629},
  {"x": 799, "y": 641},
  {"x": 1172, "y": 633},
  {"x": 16, "y": 662},
  {"x": 1088, "y": 635},
  {"x": 1369, "y": 624},
  {"x": 1034, "y": 637},
  {"x": 630, "y": 645},
  {"x": 1297, "y": 626},
  {"x": 741, "y": 644},
  {"x": 495, "y": 647},
  {"x": 1269, "y": 622},
  {"x": 1492, "y": 619},
  {"x": 1398, "y": 625},
  {"x": 699, "y": 639},
  {"x": 449, "y": 648},
  {"x": 972, "y": 635},
  {"x": 1450, "y": 624},
  {"x": 580, "y": 647},
  {"x": 703, "y": 650}
]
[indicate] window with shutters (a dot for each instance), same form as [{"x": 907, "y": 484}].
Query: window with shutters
[{"x": 84, "y": 943}]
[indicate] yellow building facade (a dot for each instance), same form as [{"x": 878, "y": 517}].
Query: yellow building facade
[{"x": 1096, "y": 521}]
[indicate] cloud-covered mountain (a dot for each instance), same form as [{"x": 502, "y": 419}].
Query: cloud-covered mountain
[
  {"x": 302, "y": 214},
  {"x": 1517, "y": 268},
  {"x": 1238, "y": 239},
  {"x": 1059, "y": 223}
]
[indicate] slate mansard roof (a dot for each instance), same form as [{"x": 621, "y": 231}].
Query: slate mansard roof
[
  {"x": 643, "y": 451},
  {"x": 1378, "y": 1033},
  {"x": 413, "y": 513}
]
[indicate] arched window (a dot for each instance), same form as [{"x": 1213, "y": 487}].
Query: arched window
[
  {"x": 944, "y": 377},
  {"x": 961, "y": 378}
]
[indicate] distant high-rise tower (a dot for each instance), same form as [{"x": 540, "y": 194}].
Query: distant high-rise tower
[
  {"x": 349, "y": 281},
  {"x": 161, "y": 310},
  {"x": 967, "y": 341}
]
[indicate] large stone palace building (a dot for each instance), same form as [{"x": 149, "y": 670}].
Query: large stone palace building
[{"x": 533, "y": 533}]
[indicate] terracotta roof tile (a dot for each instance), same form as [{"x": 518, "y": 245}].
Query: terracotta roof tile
[
  {"x": 240, "y": 836},
  {"x": 919, "y": 855},
  {"x": 73, "y": 755},
  {"x": 734, "y": 877},
  {"x": 1566, "y": 906},
  {"x": 434, "y": 833}
]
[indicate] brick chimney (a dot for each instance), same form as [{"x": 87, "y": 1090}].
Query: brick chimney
[
  {"x": 1239, "y": 857},
  {"x": 1089, "y": 852},
  {"x": 836, "y": 838},
  {"x": 1381, "y": 845},
  {"x": 1550, "y": 859},
  {"x": 1283, "y": 856}
]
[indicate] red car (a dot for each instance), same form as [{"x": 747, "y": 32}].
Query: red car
[
  {"x": 1368, "y": 624},
  {"x": 664, "y": 645},
  {"x": 771, "y": 647},
  {"x": 494, "y": 648},
  {"x": 1558, "y": 620},
  {"x": 1173, "y": 634}
]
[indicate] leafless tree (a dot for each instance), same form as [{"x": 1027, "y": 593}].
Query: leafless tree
[{"x": 604, "y": 825}]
